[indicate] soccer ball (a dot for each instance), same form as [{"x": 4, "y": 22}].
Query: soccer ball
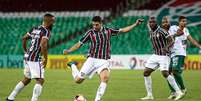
[{"x": 79, "y": 97}]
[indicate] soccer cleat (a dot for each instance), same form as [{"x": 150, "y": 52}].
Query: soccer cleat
[
  {"x": 147, "y": 98},
  {"x": 8, "y": 99},
  {"x": 172, "y": 95},
  {"x": 72, "y": 62},
  {"x": 179, "y": 95}
]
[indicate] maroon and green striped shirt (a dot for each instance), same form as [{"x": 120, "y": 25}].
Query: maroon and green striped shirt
[{"x": 100, "y": 46}]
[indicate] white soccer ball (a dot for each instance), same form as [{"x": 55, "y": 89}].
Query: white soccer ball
[{"x": 79, "y": 97}]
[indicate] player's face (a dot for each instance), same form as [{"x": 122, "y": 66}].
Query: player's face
[
  {"x": 152, "y": 23},
  {"x": 51, "y": 23},
  {"x": 183, "y": 22},
  {"x": 96, "y": 26},
  {"x": 165, "y": 23}
]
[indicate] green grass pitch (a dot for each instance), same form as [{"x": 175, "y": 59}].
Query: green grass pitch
[{"x": 124, "y": 85}]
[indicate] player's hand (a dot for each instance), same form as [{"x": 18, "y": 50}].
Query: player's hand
[
  {"x": 66, "y": 51},
  {"x": 179, "y": 32},
  {"x": 139, "y": 21},
  {"x": 165, "y": 49},
  {"x": 44, "y": 63}
]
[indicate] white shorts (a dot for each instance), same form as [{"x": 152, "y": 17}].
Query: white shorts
[
  {"x": 33, "y": 70},
  {"x": 92, "y": 66},
  {"x": 158, "y": 61}
]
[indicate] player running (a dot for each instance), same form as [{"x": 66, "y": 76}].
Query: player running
[
  {"x": 99, "y": 53},
  {"x": 33, "y": 65},
  {"x": 161, "y": 42},
  {"x": 178, "y": 51}
]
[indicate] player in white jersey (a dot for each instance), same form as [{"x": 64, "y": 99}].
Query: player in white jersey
[{"x": 178, "y": 52}]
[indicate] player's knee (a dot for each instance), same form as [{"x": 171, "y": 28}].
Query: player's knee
[
  {"x": 40, "y": 81},
  {"x": 79, "y": 80},
  {"x": 26, "y": 81},
  {"x": 105, "y": 79},
  {"x": 165, "y": 74},
  {"x": 146, "y": 73}
]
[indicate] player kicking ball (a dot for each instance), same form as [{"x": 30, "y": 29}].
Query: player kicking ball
[
  {"x": 33, "y": 65},
  {"x": 99, "y": 53}
]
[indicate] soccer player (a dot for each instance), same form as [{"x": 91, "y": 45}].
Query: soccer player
[
  {"x": 99, "y": 53},
  {"x": 161, "y": 42},
  {"x": 33, "y": 65},
  {"x": 178, "y": 51}
]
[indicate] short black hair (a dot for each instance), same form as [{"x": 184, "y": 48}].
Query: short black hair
[
  {"x": 48, "y": 15},
  {"x": 97, "y": 19},
  {"x": 152, "y": 17},
  {"x": 181, "y": 17}
]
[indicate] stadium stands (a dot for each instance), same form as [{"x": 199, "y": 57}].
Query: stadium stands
[
  {"x": 134, "y": 42},
  {"x": 70, "y": 25},
  {"x": 12, "y": 30}
]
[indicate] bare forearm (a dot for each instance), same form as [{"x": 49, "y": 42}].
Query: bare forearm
[
  {"x": 128, "y": 28},
  {"x": 75, "y": 47},
  {"x": 44, "y": 52},
  {"x": 195, "y": 43},
  {"x": 24, "y": 45}
]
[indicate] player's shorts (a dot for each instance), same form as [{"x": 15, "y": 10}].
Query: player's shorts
[
  {"x": 33, "y": 70},
  {"x": 92, "y": 66},
  {"x": 158, "y": 61},
  {"x": 177, "y": 63}
]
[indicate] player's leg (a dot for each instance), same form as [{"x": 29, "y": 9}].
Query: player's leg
[
  {"x": 172, "y": 82},
  {"x": 164, "y": 67},
  {"x": 177, "y": 71},
  {"x": 79, "y": 76},
  {"x": 73, "y": 66},
  {"x": 148, "y": 83},
  {"x": 21, "y": 84},
  {"x": 104, "y": 77},
  {"x": 37, "y": 89},
  {"x": 18, "y": 88},
  {"x": 37, "y": 72},
  {"x": 150, "y": 67},
  {"x": 172, "y": 93}
]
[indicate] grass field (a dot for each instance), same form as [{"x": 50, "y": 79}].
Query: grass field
[{"x": 124, "y": 85}]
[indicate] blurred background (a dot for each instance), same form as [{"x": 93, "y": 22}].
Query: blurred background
[{"x": 73, "y": 19}]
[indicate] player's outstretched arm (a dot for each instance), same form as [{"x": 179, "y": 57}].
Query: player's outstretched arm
[
  {"x": 44, "y": 50},
  {"x": 73, "y": 48},
  {"x": 129, "y": 28},
  {"x": 24, "y": 42},
  {"x": 194, "y": 42}
]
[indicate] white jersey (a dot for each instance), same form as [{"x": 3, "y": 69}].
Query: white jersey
[{"x": 180, "y": 44}]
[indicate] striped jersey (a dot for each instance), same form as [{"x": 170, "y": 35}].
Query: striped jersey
[
  {"x": 36, "y": 34},
  {"x": 159, "y": 41},
  {"x": 100, "y": 42}
]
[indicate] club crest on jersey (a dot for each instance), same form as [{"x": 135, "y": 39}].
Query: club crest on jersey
[{"x": 36, "y": 33}]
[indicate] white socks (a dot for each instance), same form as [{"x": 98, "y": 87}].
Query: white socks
[
  {"x": 173, "y": 83},
  {"x": 148, "y": 85},
  {"x": 75, "y": 71},
  {"x": 16, "y": 90},
  {"x": 36, "y": 92},
  {"x": 101, "y": 91}
]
